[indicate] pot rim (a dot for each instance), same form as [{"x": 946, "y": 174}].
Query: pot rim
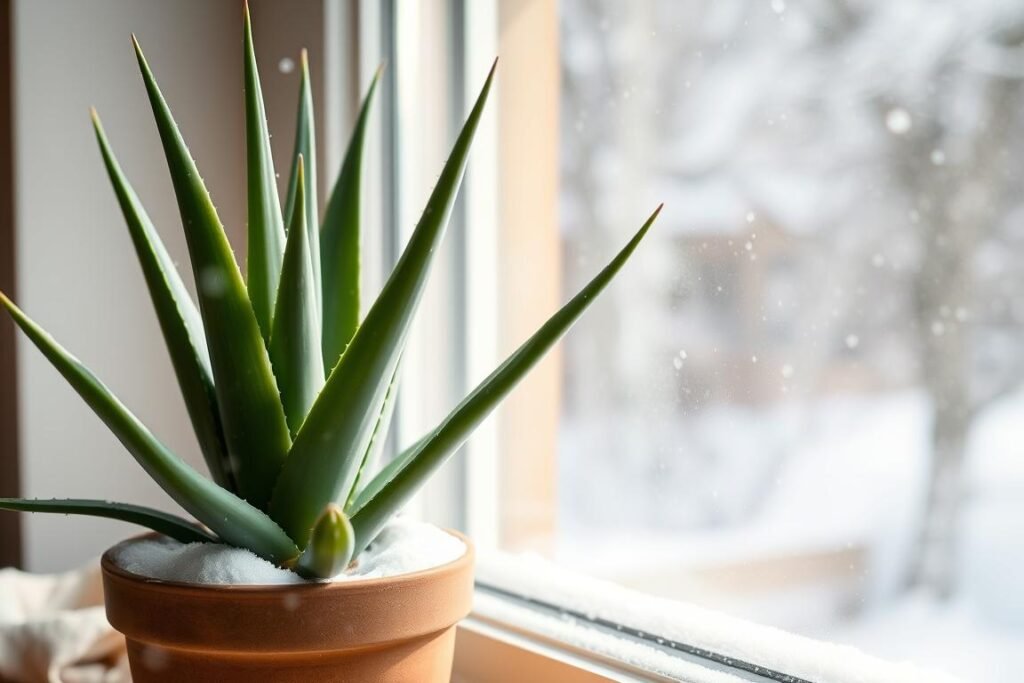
[{"x": 109, "y": 566}]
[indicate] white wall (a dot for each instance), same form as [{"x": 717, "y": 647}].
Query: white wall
[{"x": 77, "y": 273}]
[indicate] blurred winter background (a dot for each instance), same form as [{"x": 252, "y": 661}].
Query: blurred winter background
[{"x": 807, "y": 397}]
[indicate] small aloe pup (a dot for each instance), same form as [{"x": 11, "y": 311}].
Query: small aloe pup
[{"x": 289, "y": 386}]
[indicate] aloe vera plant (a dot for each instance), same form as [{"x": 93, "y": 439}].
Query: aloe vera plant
[{"x": 289, "y": 387}]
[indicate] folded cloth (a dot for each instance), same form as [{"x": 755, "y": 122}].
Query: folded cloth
[{"x": 53, "y": 629}]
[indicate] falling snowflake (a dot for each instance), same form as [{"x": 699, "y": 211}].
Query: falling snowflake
[{"x": 898, "y": 121}]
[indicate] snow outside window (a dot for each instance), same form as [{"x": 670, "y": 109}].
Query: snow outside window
[{"x": 802, "y": 403}]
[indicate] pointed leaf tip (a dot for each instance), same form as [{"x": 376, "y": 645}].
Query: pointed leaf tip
[
  {"x": 295, "y": 337},
  {"x": 266, "y": 228},
  {"x": 490, "y": 75},
  {"x": 305, "y": 143},
  {"x": 649, "y": 222},
  {"x": 340, "y": 237}
]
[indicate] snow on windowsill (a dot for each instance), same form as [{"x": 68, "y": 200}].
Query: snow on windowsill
[
  {"x": 676, "y": 621},
  {"x": 403, "y": 547}
]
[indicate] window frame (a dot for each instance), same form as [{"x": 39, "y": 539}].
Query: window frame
[{"x": 10, "y": 472}]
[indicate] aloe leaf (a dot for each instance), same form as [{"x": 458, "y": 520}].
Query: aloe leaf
[
  {"x": 330, "y": 546},
  {"x": 386, "y": 474},
  {"x": 329, "y": 448},
  {"x": 266, "y": 227},
  {"x": 295, "y": 342},
  {"x": 379, "y": 438},
  {"x": 340, "y": 237},
  {"x": 161, "y": 522},
  {"x": 179, "y": 320},
  {"x": 236, "y": 522},
  {"x": 431, "y": 453},
  {"x": 305, "y": 146},
  {"x": 255, "y": 429}
]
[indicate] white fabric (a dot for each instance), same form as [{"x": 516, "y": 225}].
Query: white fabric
[{"x": 53, "y": 629}]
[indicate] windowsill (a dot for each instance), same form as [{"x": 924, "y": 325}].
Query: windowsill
[
  {"x": 601, "y": 631},
  {"x": 486, "y": 652},
  {"x": 503, "y": 641}
]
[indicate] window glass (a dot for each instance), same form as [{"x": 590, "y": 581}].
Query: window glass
[{"x": 803, "y": 400}]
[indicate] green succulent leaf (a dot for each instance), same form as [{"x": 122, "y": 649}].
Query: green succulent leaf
[
  {"x": 424, "y": 458},
  {"x": 305, "y": 146},
  {"x": 234, "y": 520},
  {"x": 379, "y": 438},
  {"x": 179, "y": 320},
  {"x": 385, "y": 475},
  {"x": 340, "y": 238},
  {"x": 161, "y": 522},
  {"x": 255, "y": 429},
  {"x": 330, "y": 546},
  {"x": 295, "y": 342},
  {"x": 266, "y": 227},
  {"x": 329, "y": 448}
]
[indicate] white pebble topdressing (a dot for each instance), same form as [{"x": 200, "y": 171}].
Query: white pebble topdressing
[{"x": 404, "y": 546}]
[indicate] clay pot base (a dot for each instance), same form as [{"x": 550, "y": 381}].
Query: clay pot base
[
  {"x": 393, "y": 630},
  {"x": 420, "y": 659}
]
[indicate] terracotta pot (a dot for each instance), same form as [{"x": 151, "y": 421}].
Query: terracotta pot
[{"x": 394, "y": 629}]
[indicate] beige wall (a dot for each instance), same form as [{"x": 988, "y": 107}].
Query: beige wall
[{"x": 77, "y": 273}]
